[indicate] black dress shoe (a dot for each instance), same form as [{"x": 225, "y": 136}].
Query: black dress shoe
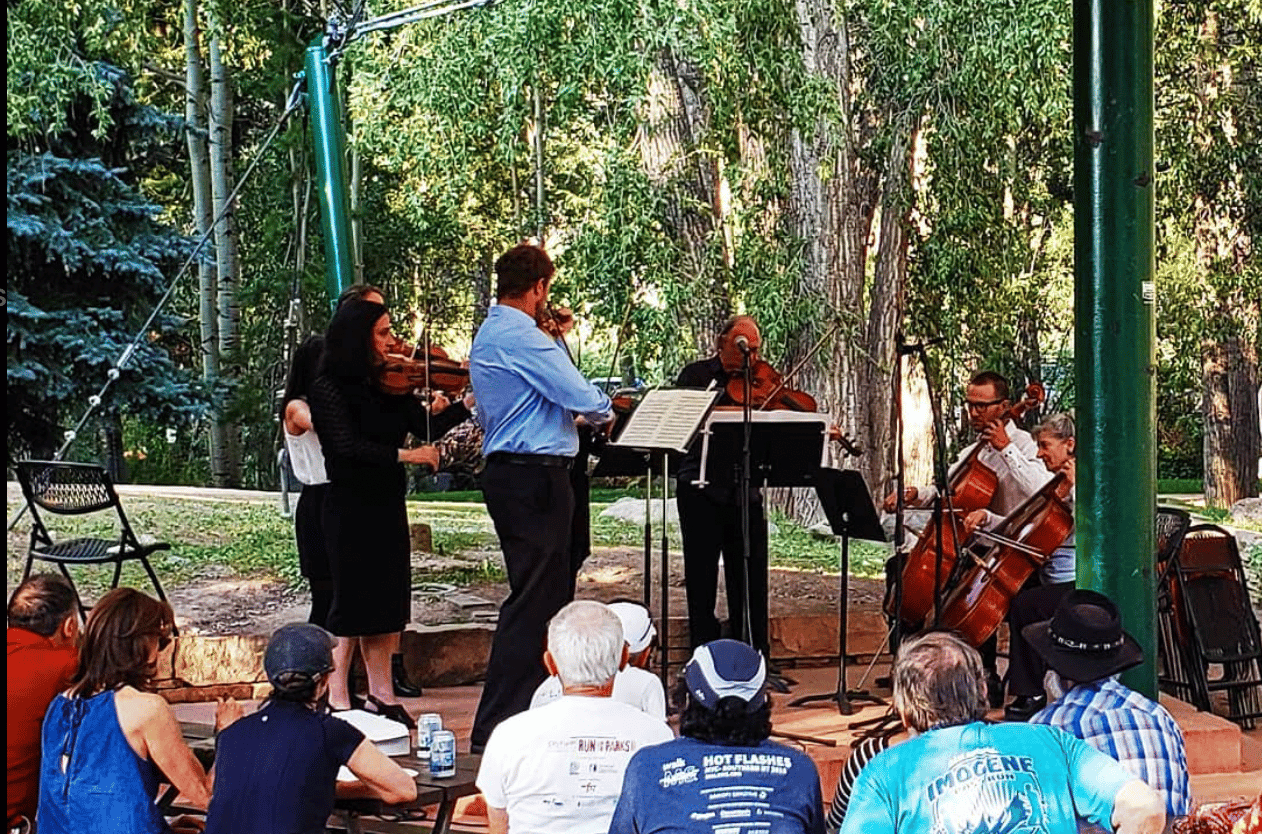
[
  {"x": 1023, "y": 707},
  {"x": 395, "y": 712},
  {"x": 403, "y": 688}
]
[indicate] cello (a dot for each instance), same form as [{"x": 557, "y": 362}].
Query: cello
[
  {"x": 926, "y": 571},
  {"x": 1023, "y": 542}
]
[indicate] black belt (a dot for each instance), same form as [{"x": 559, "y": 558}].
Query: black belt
[{"x": 556, "y": 461}]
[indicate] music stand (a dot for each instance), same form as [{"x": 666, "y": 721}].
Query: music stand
[
  {"x": 665, "y": 421},
  {"x": 851, "y": 514},
  {"x": 785, "y": 448}
]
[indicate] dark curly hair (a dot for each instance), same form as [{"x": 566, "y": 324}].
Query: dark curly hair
[{"x": 729, "y": 724}]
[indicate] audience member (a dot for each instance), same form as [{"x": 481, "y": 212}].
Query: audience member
[
  {"x": 1085, "y": 648},
  {"x": 276, "y": 770},
  {"x": 43, "y": 630},
  {"x": 634, "y": 684},
  {"x": 722, "y": 774},
  {"x": 559, "y": 767},
  {"x": 108, "y": 741},
  {"x": 960, "y": 774}
]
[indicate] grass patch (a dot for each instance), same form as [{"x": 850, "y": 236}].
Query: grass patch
[
  {"x": 793, "y": 546},
  {"x": 1180, "y": 485},
  {"x": 488, "y": 570},
  {"x": 208, "y": 539},
  {"x": 599, "y": 495}
]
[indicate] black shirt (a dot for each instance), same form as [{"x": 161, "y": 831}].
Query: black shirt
[
  {"x": 721, "y": 486},
  {"x": 276, "y": 770}
]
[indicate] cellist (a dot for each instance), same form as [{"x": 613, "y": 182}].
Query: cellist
[
  {"x": 1009, "y": 452},
  {"x": 1037, "y": 601}
]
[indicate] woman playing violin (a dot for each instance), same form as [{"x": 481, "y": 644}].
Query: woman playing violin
[
  {"x": 710, "y": 516},
  {"x": 362, "y": 431}
]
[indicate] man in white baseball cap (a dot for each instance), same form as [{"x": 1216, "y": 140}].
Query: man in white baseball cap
[{"x": 634, "y": 684}]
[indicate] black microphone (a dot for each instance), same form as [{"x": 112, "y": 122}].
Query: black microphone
[{"x": 742, "y": 344}]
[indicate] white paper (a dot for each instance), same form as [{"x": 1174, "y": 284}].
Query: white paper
[{"x": 667, "y": 419}]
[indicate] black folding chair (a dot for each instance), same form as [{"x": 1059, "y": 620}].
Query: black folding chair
[
  {"x": 1215, "y": 621},
  {"x": 1173, "y": 677},
  {"x": 79, "y": 489}
]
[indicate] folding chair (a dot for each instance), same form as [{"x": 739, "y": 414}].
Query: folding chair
[
  {"x": 1216, "y": 623},
  {"x": 1173, "y": 677},
  {"x": 79, "y": 489}
]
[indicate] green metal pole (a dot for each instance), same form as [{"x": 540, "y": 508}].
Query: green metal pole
[
  {"x": 1113, "y": 334},
  {"x": 330, "y": 145}
]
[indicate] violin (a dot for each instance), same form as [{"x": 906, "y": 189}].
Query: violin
[
  {"x": 927, "y": 570},
  {"x": 767, "y": 391},
  {"x": 1023, "y": 542},
  {"x": 404, "y": 373}
]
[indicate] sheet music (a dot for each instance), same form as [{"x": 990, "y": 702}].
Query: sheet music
[{"x": 667, "y": 419}]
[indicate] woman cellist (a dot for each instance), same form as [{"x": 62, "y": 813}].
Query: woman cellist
[{"x": 1037, "y": 601}]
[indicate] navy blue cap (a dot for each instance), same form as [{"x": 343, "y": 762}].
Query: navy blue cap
[
  {"x": 298, "y": 650},
  {"x": 725, "y": 668}
]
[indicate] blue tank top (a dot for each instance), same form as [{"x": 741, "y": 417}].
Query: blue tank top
[{"x": 105, "y": 786}]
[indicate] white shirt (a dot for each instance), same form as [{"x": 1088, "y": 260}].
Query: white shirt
[
  {"x": 635, "y": 686},
  {"x": 1018, "y": 472},
  {"x": 559, "y": 768},
  {"x": 306, "y": 457}
]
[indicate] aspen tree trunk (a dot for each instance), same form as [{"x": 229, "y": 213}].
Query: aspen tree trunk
[
  {"x": 226, "y": 465},
  {"x": 197, "y": 135}
]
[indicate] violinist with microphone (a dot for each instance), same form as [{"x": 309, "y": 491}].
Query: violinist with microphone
[{"x": 710, "y": 515}]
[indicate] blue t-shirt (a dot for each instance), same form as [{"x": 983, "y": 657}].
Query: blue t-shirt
[
  {"x": 690, "y": 786},
  {"x": 986, "y": 779},
  {"x": 276, "y": 770}
]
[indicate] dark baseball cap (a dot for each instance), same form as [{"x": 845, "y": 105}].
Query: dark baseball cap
[
  {"x": 297, "y": 653},
  {"x": 724, "y": 668}
]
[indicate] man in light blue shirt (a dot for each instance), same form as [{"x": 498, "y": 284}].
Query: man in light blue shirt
[{"x": 529, "y": 394}]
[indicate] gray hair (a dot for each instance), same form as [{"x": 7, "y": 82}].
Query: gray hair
[
  {"x": 1060, "y": 426},
  {"x": 939, "y": 682},
  {"x": 585, "y": 640}
]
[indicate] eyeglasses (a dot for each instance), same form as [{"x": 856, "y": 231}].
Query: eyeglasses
[
  {"x": 976, "y": 405},
  {"x": 164, "y": 640}
]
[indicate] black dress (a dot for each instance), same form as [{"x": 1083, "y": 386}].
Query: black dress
[{"x": 364, "y": 517}]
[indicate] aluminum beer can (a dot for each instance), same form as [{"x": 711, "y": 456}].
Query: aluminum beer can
[
  {"x": 442, "y": 755},
  {"x": 426, "y": 726}
]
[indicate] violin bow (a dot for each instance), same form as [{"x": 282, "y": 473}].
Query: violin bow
[
  {"x": 622, "y": 329},
  {"x": 784, "y": 380}
]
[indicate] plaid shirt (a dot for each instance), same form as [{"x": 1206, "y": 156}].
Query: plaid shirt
[{"x": 1130, "y": 728}]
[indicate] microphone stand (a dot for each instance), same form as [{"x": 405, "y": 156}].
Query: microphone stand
[{"x": 745, "y": 478}]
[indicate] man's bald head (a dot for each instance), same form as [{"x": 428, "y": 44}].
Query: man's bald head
[{"x": 41, "y": 604}]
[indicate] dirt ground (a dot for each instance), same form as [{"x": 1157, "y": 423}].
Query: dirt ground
[{"x": 236, "y": 606}]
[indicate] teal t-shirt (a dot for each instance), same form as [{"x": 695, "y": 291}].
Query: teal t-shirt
[{"x": 986, "y": 779}]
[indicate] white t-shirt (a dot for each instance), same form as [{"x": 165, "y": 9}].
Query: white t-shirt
[
  {"x": 560, "y": 767},
  {"x": 635, "y": 686}
]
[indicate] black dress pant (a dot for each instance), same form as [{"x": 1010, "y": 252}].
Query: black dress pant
[
  {"x": 712, "y": 528},
  {"x": 1031, "y": 605},
  {"x": 532, "y": 507}
]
